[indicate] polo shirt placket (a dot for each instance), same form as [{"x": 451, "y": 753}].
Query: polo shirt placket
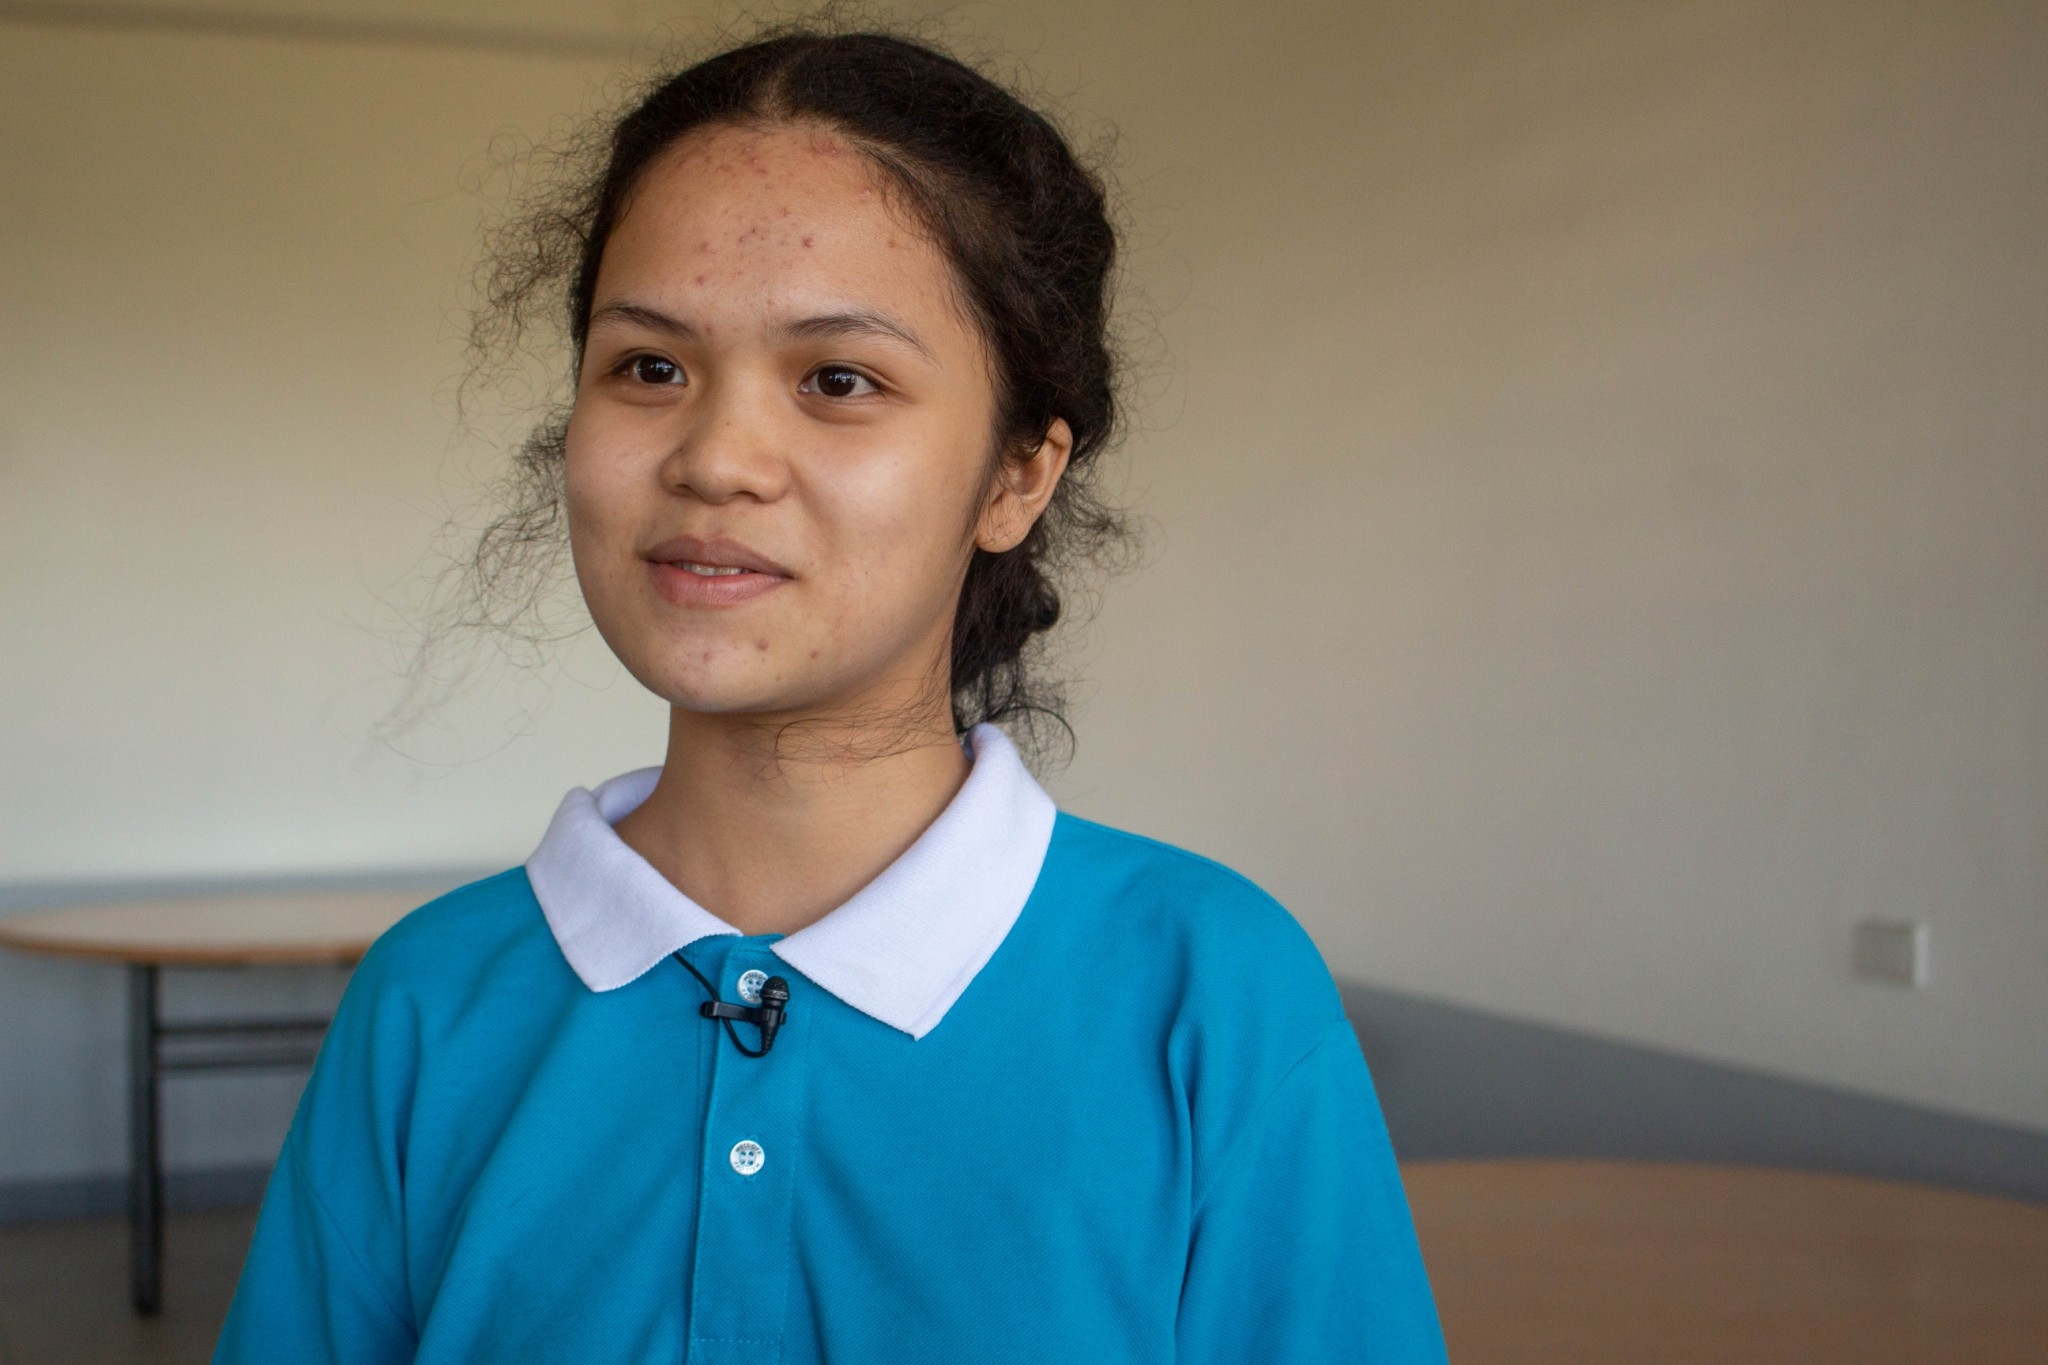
[{"x": 751, "y": 1162}]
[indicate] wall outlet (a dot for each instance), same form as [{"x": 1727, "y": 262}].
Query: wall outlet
[{"x": 1891, "y": 950}]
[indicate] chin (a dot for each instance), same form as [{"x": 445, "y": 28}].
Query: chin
[
  {"x": 696, "y": 670},
  {"x": 746, "y": 673},
  {"x": 721, "y": 685},
  {"x": 716, "y": 695}
]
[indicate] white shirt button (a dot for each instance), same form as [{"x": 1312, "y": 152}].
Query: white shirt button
[
  {"x": 746, "y": 1156},
  {"x": 750, "y": 986}
]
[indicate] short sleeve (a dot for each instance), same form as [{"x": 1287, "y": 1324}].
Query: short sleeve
[
  {"x": 1302, "y": 1248},
  {"x": 324, "y": 1279},
  {"x": 305, "y": 1293}
]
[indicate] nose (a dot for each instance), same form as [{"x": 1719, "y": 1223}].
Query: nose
[{"x": 731, "y": 447}]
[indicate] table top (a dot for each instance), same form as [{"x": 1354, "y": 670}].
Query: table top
[
  {"x": 1592, "y": 1262},
  {"x": 301, "y": 927}
]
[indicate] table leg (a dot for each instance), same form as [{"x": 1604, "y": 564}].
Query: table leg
[{"x": 145, "y": 1138}]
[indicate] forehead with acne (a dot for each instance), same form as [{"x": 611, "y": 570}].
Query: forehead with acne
[{"x": 763, "y": 214}]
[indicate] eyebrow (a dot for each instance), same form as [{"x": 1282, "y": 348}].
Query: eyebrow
[
  {"x": 857, "y": 322},
  {"x": 639, "y": 315},
  {"x": 851, "y": 322}
]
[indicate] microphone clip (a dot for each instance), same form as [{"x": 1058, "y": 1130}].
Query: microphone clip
[{"x": 766, "y": 1016}]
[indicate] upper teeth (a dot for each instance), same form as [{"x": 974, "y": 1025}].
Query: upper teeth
[{"x": 711, "y": 570}]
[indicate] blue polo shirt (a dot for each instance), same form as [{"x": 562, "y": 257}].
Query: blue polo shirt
[{"x": 1121, "y": 1120}]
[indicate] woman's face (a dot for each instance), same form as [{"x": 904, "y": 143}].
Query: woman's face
[{"x": 778, "y": 458}]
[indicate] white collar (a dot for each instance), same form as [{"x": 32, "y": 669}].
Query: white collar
[{"x": 901, "y": 950}]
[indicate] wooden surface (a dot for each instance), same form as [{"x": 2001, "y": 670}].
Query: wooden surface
[
  {"x": 1592, "y": 1263},
  {"x": 216, "y": 931}
]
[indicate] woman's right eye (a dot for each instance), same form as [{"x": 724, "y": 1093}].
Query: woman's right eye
[{"x": 653, "y": 369}]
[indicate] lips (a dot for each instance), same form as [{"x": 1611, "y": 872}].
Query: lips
[
  {"x": 718, "y": 552},
  {"x": 693, "y": 571}
]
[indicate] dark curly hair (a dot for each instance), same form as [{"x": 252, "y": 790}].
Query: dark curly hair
[{"x": 1026, "y": 227}]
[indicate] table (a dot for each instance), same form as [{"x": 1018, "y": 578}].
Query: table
[
  {"x": 1592, "y": 1262},
  {"x": 316, "y": 928}
]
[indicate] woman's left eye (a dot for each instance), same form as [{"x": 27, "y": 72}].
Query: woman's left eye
[{"x": 837, "y": 381}]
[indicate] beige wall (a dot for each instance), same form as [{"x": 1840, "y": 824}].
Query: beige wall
[
  {"x": 1605, "y": 512},
  {"x": 1598, "y": 458},
  {"x": 233, "y": 271}
]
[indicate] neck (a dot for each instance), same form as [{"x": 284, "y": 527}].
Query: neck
[{"x": 770, "y": 823}]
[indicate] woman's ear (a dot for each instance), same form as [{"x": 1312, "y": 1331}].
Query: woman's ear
[{"x": 1022, "y": 488}]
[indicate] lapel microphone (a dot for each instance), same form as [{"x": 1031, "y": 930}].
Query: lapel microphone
[{"x": 766, "y": 1016}]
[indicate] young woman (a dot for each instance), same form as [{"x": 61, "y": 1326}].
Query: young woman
[{"x": 831, "y": 1039}]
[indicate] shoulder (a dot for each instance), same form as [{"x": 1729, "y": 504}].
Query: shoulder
[
  {"x": 477, "y": 916},
  {"x": 1220, "y": 938},
  {"x": 435, "y": 957},
  {"x": 1237, "y": 992},
  {"x": 1217, "y": 921},
  {"x": 461, "y": 969}
]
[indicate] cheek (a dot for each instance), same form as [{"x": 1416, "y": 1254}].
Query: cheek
[
  {"x": 597, "y": 495},
  {"x": 899, "y": 523}
]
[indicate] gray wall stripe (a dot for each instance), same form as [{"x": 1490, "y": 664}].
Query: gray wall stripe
[
  {"x": 93, "y": 1196},
  {"x": 1459, "y": 1082}
]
